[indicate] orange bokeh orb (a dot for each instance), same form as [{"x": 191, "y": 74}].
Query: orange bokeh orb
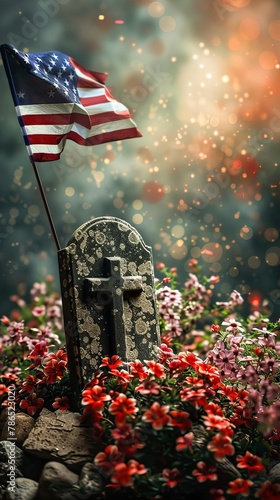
[
  {"x": 244, "y": 164},
  {"x": 152, "y": 192}
]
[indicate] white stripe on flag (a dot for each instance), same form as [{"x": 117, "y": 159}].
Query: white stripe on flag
[
  {"x": 79, "y": 129},
  {"x": 44, "y": 109},
  {"x": 90, "y": 92},
  {"x": 60, "y": 109}
]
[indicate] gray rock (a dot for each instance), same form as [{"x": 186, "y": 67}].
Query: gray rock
[
  {"x": 23, "y": 425},
  {"x": 11, "y": 459},
  {"x": 274, "y": 474},
  {"x": 58, "y": 436},
  {"x": 227, "y": 472},
  {"x": 58, "y": 483},
  {"x": 32, "y": 466},
  {"x": 90, "y": 481},
  {"x": 25, "y": 489}
]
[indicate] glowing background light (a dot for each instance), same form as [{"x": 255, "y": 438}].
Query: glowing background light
[{"x": 201, "y": 79}]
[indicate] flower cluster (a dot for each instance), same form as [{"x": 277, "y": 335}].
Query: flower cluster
[
  {"x": 209, "y": 402},
  {"x": 170, "y": 423},
  {"x": 27, "y": 343}
]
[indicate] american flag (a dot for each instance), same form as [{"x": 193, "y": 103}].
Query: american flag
[{"x": 58, "y": 99}]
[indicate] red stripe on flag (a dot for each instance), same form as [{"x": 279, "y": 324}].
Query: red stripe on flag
[
  {"x": 115, "y": 135},
  {"x": 94, "y": 75},
  {"x": 45, "y": 156}
]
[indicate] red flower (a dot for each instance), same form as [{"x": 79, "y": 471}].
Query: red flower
[
  {"x": 157, "y": 416},
  {"x": 160, "y": 266},
  {"x": 167, "y": 340},
  {"x": 215, "y": 328},
  {"x": 138, "y": 369},
  {"x": 38, "y": 353},
  {"x": 240, "y": 487},
  {"x": 197, "y": 398},
  {"x": 3, "y": 389},
  {"x": 112, "y": 363},
  {"x": 165, "y": 352},
  {"x": 121, "y": 431},
  {"x": 108, "y": 459},
  {"x": 228, "y": 391},
  {"x": 188, "y": 359},
  {"x": 28, "y": 384},
  {"x": 209, "y": 372},
  {"x": 54, "y": 370},
  {"x": 31, "y": 404},
  {"x": 195, "y": 381},
  {"x": 214, "y": 409},
  {"x": 250, "y": 462},
  {"x": 238, "y": 418},
  {"x": 122, "y": 375},
  {"x": 166, "y": 280},
  {"x": 127, "y": 439},
  {"x": 216, "y": 422},
  {"x": 96, "y": 380},
  {"x": 221, "y": 446},
  {"x": 171, "y": 477},
  {"x": 156, "y": 369},
  {"x": 5, "y": 320},
  {"x": 181, "y": 420},
  {"x": 217, "y": 494},
  {"x": 60, "y": 355},
  {"x": 243, "y": 397},
  {"x": 123, "y": 406},
  {"x": 184, "y": 442},
  {"x": 95, "y": 397},
  {"x": 123, "y": 473},
  {"x": 148, "y": 387},
  {"x": 62, "y": 403},
  {"x": 204, "y": 472},
  {"x": 269, "y": 491},
  {"x": 174, "y": 364}
]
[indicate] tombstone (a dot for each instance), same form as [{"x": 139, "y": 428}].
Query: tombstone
[{"x": 107, "y": 284}]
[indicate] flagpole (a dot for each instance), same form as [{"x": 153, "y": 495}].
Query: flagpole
[
  {"x": 44, "y": 199},
  {"x": 16, "y": 102}
]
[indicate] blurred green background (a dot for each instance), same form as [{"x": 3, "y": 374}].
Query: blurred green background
[{"x": 201, "y": 79}]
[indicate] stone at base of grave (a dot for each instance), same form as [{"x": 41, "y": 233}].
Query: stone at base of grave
[
  {"x": 58, "y": 436},
  {"x": 107, "y": 284}
]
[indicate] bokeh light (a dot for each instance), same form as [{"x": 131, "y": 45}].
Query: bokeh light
[{"x": 201, "y": 80}]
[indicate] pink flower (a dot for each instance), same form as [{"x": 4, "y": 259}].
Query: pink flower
[{"x": 39, "y": 311}]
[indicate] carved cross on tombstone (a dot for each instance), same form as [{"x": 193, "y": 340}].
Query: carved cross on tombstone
[
  {"x": 110, "y": 292},
  {"x": 107, "y": 284}
]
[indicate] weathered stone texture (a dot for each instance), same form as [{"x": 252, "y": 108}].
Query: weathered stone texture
[
  {"x": 107, "y": 283},
  {"x": 58, "y": 436}
]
